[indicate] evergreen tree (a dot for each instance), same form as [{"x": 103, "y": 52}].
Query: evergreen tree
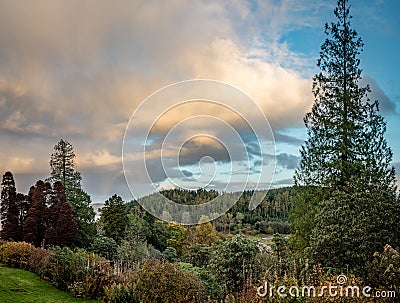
[
  {"x": 345, "y": 160},
  {"x": 9, "y": 212},
  {"x": 84, "y": 216},
  {"x": 50, "y": 236},
  {"x": 114, "y": 218},
  {"x": 24, "y": 203},
  {"x": 346, "y": 143},
  {"x": 351, "y": 227},
  {"x": 233, "y": 263},
  {"x": 62, "y": 165},
  {"x": 35, "y": 224},
  {"x": 305, "y": 206},
  {"x": 54, "y": 202},
  {"x": 66, "y": 226}
]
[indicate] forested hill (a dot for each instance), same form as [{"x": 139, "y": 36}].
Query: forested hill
[{"x": 272, "y": 215}]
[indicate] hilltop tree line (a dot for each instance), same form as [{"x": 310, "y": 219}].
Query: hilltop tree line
[{"x": 34, "y": 217}]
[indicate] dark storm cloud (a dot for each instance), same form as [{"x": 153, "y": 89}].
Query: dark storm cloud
[
  {"x": 253, "y": 149},
  {"x": 105, "y": 182}
]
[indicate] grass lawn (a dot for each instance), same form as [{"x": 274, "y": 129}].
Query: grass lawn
[{"x": 21, "y": 286}]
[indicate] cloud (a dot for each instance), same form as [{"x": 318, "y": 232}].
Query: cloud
[
  {"x": 386, "y": 105},
  {"x": 266, "y": 82},
  {"x": 287, "y": 139},
  {"x": 284, "y": 182},
  {"x": 397, "y": 168},
  {"x": 187, "y": 173},
  {"x": 287, "y": 161},
  {"x": 194, "y": 150},
  {"x": 78, "y": 70}
]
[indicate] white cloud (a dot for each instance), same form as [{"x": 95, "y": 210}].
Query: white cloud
[{"x": 78, "y": 70}]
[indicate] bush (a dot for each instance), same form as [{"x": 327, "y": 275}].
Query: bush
[
  {"x": 170, "y": 255},
  {"x": 272, "y": 227},
  {"x": 384, "y": 270},
  {"x": 65, "y": 267},
  {"x": 97, "y": 275},
  {"x": 156, "y": 281},
  {"x": 120, "y": 293},
  {"x": 83, "y": 274},
  {"x": 38, "y": 262},
  {"x": 197, "y": 254},
  {"x": 105, "y": 247},
  {"x": 233, "y": 263},
  {"x": 16, "y": 254},
  {"x": 210, "y": 283}
]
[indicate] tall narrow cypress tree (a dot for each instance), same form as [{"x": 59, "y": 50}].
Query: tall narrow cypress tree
[{"x": 9, "y": 212}]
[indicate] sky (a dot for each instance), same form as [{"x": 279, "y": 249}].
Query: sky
[{"x": 79, "y": 70}]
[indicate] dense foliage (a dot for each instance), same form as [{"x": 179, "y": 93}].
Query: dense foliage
[
  {"x": 346, "y": 144},
  {"x": 114, "y": 218},
  {"x": 349, "y": 208},
  {"x": 62, "y": 164},
  {"x": 9, "y": 212},
  {"x": 43, "y": 217}
]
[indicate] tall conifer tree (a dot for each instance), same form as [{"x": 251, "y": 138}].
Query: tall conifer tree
[
  {"x": 9, "y": 212},
  {"x": 346, "y": 160},
  {"x": 35, "y": 224},
  {"x": 63, "y": 166},
  {"x": 346, "y": 143},
  {"x": 66, "y": 226}
]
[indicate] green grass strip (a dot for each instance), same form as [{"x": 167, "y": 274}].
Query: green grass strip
[{"x": 20, "y": 286}]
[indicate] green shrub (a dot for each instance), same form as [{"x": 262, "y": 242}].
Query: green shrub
[
  {"x": 38, "y": 262},
  {"x": 156, "y": 281},
  {"x": 97, "y": 275},
  {"x": 65, "y": 267},
  {"x": 384, "y": 270},
  {"x": 169, "y": 254},
  {"x": 210, "y": 283},
  {"x": 83, "y": 274},
  {"x": 17, "y": 254},
  {"x": 197, "y": 254},
  {"x": 233, "y": 263},
  {"x": 120, "y": 293},
  {"x": 105, "y": 247}
]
